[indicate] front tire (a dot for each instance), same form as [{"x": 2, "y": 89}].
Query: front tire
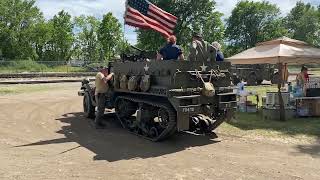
[
  {"x": 88, "y": 108},
  {"x": 252, "y": 80},
  {"x": 276, "y": 78},
  {"x": 259, "y": 82},
  {"x": 236, "y": 80}
]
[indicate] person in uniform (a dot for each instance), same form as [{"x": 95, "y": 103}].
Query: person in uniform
[
  {"x": 171, "y": 51},
  {"x": 201, "y": 50},
  {"x": 101, "y": 83},
  {"x": 219, "y": 56}
]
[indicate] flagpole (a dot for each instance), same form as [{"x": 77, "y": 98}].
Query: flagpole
[{"x": 124, "y": 25}]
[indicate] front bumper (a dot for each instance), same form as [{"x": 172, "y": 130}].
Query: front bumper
[{"x": 201, "y": 105}]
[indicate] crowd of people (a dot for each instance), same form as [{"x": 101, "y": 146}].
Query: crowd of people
[{"x": 199, "y": 49}]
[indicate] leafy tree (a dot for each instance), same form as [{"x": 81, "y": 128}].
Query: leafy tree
[
  {"x": 252, "y": 22},
  {"x": 192, "y": 15},
  {"x": 87, "y": 37},
  {"x": 213, "y": 29},
  {"x": 110, "y": 35},
  {"x": 41, "y": 36},
  {"x": 149, "y": 40},
  {"x": 17, "y": 17},
  {"x": 303, "y": 22},
  {"x": 62, "y": 37},
  {"x": 123, "y": 47}
]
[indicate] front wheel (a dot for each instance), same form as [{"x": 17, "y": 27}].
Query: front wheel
[
  {"x": 88, "y": 108},
  {"x": 252, "y": 80},
  {"x": 259, "y": 82},
  {"x": 236, "y": 80},
  {"x": 275, "y": 79}
]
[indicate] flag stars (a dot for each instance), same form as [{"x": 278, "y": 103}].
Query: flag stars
[{"x": 141, "y": 5}]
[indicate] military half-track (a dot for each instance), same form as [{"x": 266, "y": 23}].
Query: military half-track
[
  {"x": 155, "y": 99},
  {"x": 254, "y": 74}
]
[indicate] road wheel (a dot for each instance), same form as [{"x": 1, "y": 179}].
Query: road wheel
[
  {"x": 275, "y": 79},
  {"x": 88, "y": 108},
  {"x": 259, "y": 82},
  {"x": 236, "y": 80},
  {"x": 252, "y": 80}
]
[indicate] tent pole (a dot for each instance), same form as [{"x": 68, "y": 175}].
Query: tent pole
[{"x": 282, "y": 110}]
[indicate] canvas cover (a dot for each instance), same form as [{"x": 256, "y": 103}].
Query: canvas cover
[{"x": 282, "y": 50}]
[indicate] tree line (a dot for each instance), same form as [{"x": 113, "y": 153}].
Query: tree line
[{"x": 26, "y": 34}]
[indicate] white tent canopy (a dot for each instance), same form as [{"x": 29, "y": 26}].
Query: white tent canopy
[{"x": 282, "y": 50}]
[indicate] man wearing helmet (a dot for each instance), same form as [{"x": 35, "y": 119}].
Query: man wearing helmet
[{"x": 201, "y": 50}]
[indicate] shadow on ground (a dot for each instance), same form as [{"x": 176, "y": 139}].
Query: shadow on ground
[
  {"x": 301, "y": 126},
  {"x": 114, "y": 143},
  {"x": 312, "y": 149}
]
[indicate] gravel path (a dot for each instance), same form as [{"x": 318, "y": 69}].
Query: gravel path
[{"x": 45, "y": 136}]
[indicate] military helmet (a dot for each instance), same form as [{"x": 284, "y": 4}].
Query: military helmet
[{"x": 196, "y": 34}]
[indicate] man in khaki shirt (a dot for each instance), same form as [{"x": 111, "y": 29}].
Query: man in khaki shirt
[{"x": 101, "y": 83}]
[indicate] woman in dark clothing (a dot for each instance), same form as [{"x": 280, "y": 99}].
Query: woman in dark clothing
[{"x": 171, "y": 51}]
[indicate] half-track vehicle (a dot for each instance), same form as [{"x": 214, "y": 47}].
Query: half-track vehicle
[
  {"x": 155, "y": 99},
  {"x": 254, "y": 74}
]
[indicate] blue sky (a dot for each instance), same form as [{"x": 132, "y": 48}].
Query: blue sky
[{"x": 99, "y": 7}]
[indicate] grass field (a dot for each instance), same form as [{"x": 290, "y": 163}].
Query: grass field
[
  {"x": 253, "y": 125},
  {"x": 32, "y": 66},
  {"x": 26, "y": 88},
  {"x": 261, "y": 91},
  {"x": 12, "y": 69}
]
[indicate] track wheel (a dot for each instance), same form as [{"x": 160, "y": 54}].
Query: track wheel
[
  {"x": 163, "y": 118},
  {"x": 276, "y": 78},
  {"x": 236, "y": 80},
  {"x": 88, "y": 108},
  {"x": 124, "y": 111},
  {"x": 252, "y": 80},
  {"x": 153, "y": 132},
  {"x": 259, "y": 81}
]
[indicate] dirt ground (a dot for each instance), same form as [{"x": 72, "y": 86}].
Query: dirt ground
[{"x": 44, "y": 135}]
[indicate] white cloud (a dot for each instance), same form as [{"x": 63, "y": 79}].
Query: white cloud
[
  {"x": 226, "y": 6},
  {"x": 99, "y": 7}
]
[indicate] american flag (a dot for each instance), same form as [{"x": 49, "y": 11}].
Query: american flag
[{"x": 145, "y": 15}]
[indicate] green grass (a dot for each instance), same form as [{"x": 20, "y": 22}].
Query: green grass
[
  {"x": 261, "y": 91},
  {"x": 24, "y": 88},
  {"x": 254, "y": 126},
  {"x": 64, "y": 69},
  {"x": 32, "y": 66}
]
